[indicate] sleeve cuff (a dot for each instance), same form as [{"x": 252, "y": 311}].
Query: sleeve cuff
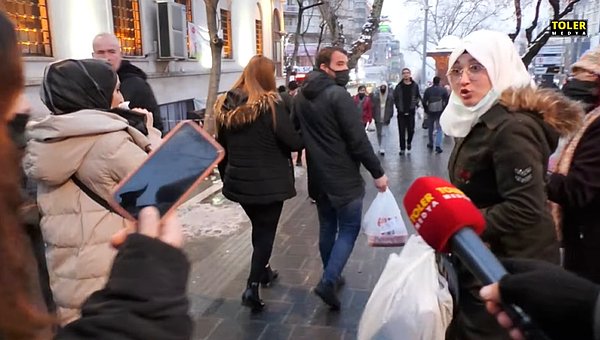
[{"x": 142, "y": 260}]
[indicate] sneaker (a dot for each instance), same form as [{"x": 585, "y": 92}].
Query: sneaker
[
  {"x": 381, "y": 152},
  {"x": 438, "y": 150},
  {"x": 430, "y": 147},
  {"x": 401, "y": 152},
  {"x": 408, "y": 147},
  {"x": 326, "y": 291}
]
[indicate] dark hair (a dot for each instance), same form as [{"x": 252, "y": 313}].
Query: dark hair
[
  {"x": 293, "y": 85},
  {"x": 19, "y": 316},
  {"x": 281, "y": 88},
  {"x": 362, "y": 87},
  {"x": 324, "y": 55},
  {"x": 406, "y": 69},
  {"x": 436, "y": 80}
]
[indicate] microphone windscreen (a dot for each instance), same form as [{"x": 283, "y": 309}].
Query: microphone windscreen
[{"x": 438, "y": 210}]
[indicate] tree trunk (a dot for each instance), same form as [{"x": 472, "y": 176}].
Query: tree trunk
[
  {"x": 290, "y": 66},
  {"x": 364, "y": 42},
  {"x": 216, "y": 46}
]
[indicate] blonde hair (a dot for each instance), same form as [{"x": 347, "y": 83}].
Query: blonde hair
[{"x": 258, "y": 82}]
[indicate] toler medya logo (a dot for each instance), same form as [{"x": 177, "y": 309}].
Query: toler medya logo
[{"x": 568, "y": 28}]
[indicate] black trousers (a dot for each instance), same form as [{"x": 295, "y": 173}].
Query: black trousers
[
  {"x": 406, "y": 128},
  {"x": 264, "y": 219}
]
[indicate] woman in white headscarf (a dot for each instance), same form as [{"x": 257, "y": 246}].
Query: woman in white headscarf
[{"x": 505, "y": 131}]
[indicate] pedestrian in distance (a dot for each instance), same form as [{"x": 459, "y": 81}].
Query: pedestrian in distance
[{"x": 435, "y": 100}]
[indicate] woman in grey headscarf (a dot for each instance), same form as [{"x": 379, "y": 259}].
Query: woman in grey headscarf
[{"x": 77, "y": 155}]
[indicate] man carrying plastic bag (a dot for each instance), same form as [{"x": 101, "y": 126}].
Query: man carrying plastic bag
[
  {"x": 383, "y": 223},
  {"x": 411, "y": 300}
]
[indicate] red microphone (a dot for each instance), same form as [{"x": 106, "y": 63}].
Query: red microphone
[{"x": 449, "y": 222}]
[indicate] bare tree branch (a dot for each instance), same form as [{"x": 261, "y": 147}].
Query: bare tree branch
[
  {"x": 519, "y": 15},
  {"x": 536, "y": 45}
]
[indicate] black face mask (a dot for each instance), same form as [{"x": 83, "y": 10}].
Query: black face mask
[
  {"x": 586, "y": 92},
  {"x": 361, "y": 95},
  {"x": 383, "y": 88},
  {"x": 342, "y": 77}
]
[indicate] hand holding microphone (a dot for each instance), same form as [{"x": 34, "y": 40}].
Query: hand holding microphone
[
  {"x": 449, "y": 222},
  {"x": 562, "y": 303}
]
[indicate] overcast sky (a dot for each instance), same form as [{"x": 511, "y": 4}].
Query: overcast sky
[{"x": 400, "y": 13}]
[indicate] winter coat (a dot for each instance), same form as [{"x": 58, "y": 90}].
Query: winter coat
[
  {"x": 501, "y": 166},
  {"x": 389, "y": 106},
  {"x": 138, "y": 92},
  {"x": 144, "y": 298},
  {"x": 100, "y": 148},
  {"x": 399, "y": 98},
  {"x": 578, "y": 194},
  {"x": 257, "y": 168},
  {"x": 335, "y": 140},
  {"x": 367, "y": 108}
]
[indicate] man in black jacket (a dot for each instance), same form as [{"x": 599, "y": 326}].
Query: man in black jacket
[
  {"x": 336, "y": 145},
  {"x": 435, "y": 100},
  {"x": 134, "y": 86},
  {"x": 406, "y": 98}
]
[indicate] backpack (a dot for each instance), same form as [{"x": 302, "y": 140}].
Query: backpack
[{"x": 435, "y": 104}]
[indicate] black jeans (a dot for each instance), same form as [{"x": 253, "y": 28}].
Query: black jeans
[
  {"x": 264, "y": 219},
  {"x": 406, "y": 128}
]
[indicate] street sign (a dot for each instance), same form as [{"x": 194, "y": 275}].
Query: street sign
[
  {"x": 552, "y": 49},
  {"x": 548, "y": 60}
]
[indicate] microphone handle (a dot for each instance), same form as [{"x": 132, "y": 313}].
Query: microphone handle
[{"x": 484, "y": 265}]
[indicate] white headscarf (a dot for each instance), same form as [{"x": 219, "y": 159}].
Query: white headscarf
[{"x": 497, "y": 53}]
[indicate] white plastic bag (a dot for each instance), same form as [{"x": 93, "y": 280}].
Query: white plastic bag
[
  {"x": 411, "y": 300},
  {"x": 383, "y": 223}
]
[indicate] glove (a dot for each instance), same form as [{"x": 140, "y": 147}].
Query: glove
[{"x": 559, "y": 302}]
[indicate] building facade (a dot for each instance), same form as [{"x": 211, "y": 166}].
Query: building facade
[
  {"x": 352, "y": 15},
  {"x": 51, "y": 30}
]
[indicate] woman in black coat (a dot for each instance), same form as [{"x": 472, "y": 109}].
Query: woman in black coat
[
  {"x": 258, "y": 136},
  {"x": 575, "y": 183}
]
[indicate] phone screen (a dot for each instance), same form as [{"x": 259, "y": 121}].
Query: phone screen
[{"x": 170, "y": 172}]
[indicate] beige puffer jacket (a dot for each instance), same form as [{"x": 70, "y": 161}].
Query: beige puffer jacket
[{"x": 101, "y": 148}]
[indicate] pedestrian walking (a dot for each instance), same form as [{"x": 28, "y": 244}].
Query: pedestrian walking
[
  {"x": 406, "y": 97},
  {"x": 435, "y": 100},
  {"x": 336, "y": 145},
  {"x": 257, "y": 133},
  {"x": 383, "y": 110}
]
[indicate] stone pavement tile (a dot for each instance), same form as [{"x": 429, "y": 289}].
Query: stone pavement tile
[
  {"x": 302, "y": 312},
  {"x": 300, "y": 250},
  {"x": 316, "y": 332},
  {"x": 224, "y": 308},
  {"x": 234, "y": 289},
  {"x": 274, "y": 312},
  {"x": 203, "y": 327},
  {"x": 277, "y": 292},
  {"x": 231, "y": 329},
  {"x": 287, "y": 261},
  {"x": 277, "y": 332},
  {"x": 298, "y": 294},
  {"x": 293, "y": 276}
]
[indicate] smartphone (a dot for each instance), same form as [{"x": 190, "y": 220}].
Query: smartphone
[{"x": 187, "y": 155}]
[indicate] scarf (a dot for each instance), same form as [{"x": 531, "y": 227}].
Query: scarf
[
  {"x": 497, "y": 53},
  {"x": 564, "y": 164},
  {"x": 72, "y": 85}
]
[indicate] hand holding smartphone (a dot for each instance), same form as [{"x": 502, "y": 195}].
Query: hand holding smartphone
[{"x": 187, "y": 155}]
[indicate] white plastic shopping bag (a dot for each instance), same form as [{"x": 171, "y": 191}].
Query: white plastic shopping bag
[
  {"x": 411, "y": 300},
  {"x": 383, "y": 223}
]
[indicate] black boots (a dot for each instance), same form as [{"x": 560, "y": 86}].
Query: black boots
[
  {"x": 327, "y": 292},
  {"x": 269, "y": 276},
  {"x": 251, "y": 297}
]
